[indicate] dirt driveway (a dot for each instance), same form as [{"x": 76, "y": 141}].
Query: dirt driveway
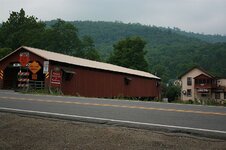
[{"x": 29, "y": 132}]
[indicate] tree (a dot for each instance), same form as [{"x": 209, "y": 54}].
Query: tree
[
  {"x": 4, "y": 52},
  {"x": 88, "y": 50},
  {"x": 129, "y": 52},
  {"x": 20, "y": 29},
  {"x": 62, "y": 37},
  {"x": 170, "y": 91},
  {"x": 161, "y": 71}
]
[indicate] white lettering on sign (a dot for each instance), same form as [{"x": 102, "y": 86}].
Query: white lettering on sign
[
  {"x": 203, "y": 90},
  {"x": 56, "y": 78}
]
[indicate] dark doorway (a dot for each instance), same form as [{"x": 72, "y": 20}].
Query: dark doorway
[
  {"x": 10, "y": 77},
  {"x": 10, "y": 80}
]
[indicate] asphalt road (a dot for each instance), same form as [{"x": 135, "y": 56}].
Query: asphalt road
[{"x": 205, "y": 120}]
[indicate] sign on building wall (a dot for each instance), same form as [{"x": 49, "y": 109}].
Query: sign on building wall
[
  {"x": 202, "y": 90},
  {"x": 23, "y": 79},
  {"x": 56, "y": 78},
  {"x": 1, "y": 74},
  {"x": 24, "y": 59},
  {"x": 45, "y": 67},
  {"x": 34, "y": 76},
  {"x": 34, "y": 67}
]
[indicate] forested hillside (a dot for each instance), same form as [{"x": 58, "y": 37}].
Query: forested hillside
[
  {"x": 205, "y": 37},
  {"x": 170, "y": 52},
  {"x": 105, "y": 34}
]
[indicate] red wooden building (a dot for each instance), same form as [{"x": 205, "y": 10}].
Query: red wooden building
[{"x": 76, "y": 76}]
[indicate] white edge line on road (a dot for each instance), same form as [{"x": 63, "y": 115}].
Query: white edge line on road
[{"x": 111, "y": 120}]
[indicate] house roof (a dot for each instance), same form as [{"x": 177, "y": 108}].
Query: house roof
[
  {"x": 52, "y": 56},
  {"x": 202, "y": 75},
  {"x": 196, "y": 67}
]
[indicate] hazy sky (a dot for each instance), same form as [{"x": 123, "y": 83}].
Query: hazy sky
[{"x": 202, "y": 16}]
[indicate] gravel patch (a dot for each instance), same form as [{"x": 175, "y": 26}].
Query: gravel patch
[{"x": 18, "y": 132}]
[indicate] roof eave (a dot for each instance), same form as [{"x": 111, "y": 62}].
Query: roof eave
[
  {"x": 42, "y": 56},
  {"x": 196, "y": 67},
  {"x": 26, "y": 48}
]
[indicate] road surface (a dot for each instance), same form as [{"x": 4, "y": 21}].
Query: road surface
[{"x": 205, "y": 120}]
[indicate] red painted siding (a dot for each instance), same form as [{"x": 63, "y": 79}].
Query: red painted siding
[
  {"x": 97, "y": 83},
  {"x": 90, "y": 82}
]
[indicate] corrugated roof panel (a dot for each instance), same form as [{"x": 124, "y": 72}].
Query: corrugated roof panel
[{"x": 86, "y": 63}]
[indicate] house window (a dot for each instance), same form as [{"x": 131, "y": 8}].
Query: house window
[
  {"x": 189, "y": 92},
  {"x": 217, "y": 95},
  {"x": 189, "y": 81},
  {"x": 225, "y": 95}
]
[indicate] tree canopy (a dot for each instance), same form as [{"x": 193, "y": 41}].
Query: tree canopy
[
  {"x": 88, "y": 50},
  {"x": 61, "y": 37},
  {"x": 169, "y": 52},
  {"x": 20, "y": 29},
  {"x": 129, "y": 52},
  {"x": 4, "y": 52}
]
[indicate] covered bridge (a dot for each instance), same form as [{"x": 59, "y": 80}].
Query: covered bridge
[{"x": 74, "y": 76}]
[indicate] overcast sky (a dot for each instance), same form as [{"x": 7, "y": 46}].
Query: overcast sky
[{"x": 202, "y": 16}]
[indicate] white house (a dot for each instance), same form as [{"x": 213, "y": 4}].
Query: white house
[{"x": 196, "y": 83}]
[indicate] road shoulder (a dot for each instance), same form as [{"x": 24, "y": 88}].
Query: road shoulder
[{"x": 33, "y": 132}]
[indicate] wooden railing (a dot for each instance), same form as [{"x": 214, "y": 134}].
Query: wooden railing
[{"x": 36, "y": 84}]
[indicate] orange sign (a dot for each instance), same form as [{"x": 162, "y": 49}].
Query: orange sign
[
  {"x": 34, "y": 76},
  {"x": 34, "y": 67}
]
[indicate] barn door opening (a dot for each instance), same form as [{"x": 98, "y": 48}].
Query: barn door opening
[
  {"x": 17, "y": 77},
  {"x": 10, "y": 80},
  {"x": 36, "y": 78}
]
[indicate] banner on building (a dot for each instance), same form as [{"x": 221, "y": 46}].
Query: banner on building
[{"x": 56, "y": 77}]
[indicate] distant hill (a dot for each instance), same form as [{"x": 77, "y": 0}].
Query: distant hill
[
  {"x": 204, "y": 37},
  {"x": 106, "y": 34},
  {"x": 170, "y": 51},
  {"x": 141, "y": 28}
]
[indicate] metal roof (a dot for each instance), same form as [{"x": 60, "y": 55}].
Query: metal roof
[{"x": 86, "y": 63}]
